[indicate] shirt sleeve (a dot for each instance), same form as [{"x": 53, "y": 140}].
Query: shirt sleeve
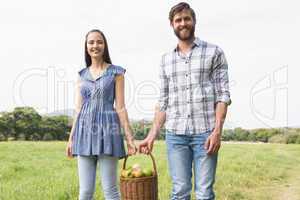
[
  {"x": 118, "y": 70},
  {"x": 220, "y": 78},
  {"x": 164, "y": 87}
]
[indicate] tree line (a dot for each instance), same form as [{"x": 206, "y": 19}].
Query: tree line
[
  {"x": 272, "y": 135},
  {"x": 25, "y": 123}
]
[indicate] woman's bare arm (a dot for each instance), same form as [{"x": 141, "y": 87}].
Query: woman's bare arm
[{"x": 78, "y": 105}]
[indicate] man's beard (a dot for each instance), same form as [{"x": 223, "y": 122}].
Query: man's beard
[{"x": 189, "y": 36}]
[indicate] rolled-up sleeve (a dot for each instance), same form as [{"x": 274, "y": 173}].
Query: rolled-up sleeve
[
  {"x": 220, "y": 78},
  {"x": 164, "y": 87}
]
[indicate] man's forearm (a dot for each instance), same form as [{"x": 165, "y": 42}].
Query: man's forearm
[
  {"x": 221, "y": 111},
  {"x": 158, "y": 122}
]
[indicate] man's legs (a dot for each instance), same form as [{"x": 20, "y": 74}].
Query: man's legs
[
  {"x": 204, "y": 168},
  {"x": 180, "y": 165}
]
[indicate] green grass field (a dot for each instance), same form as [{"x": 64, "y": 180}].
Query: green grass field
[{"x": 40, "y": 171}]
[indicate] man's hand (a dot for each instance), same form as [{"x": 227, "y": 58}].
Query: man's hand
[
  {"x": 146, "y": 145},
  {"x": 213, "y": 142}
]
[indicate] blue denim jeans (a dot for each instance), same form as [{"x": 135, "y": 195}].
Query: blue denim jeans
[
  {"x": 186, "y": 154},
  {"x": 87, "y": 166}
]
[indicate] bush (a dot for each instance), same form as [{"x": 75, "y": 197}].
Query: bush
[
  {"x": 2, "y": 137},
  {"x": 292, "y": 138},
  {"x": 240, "y": 134},
  {"x": 35, "y": 137},
  {"x": 252, "y": 136},
  {"x": 280, "y": 138},
  {"x": 287, "y": 138},
  {"x": 48, "y": 137},
  {"x": 263, "y": 135},
  {"x": 298, "y": 140},
  {"x": 21, "y": 137},
  {"x": 227, "y": 135}
]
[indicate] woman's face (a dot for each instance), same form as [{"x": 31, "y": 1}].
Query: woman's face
[{"x": 95, "y": 45}]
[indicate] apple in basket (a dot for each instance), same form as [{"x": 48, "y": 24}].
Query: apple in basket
[
  {"x": 136, "y": 171},
  {"x": 147, "y": 172},
  {"x": 127, "y": 173},
  {"x": 136, "y": 166}
]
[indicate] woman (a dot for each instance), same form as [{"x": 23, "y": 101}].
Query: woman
[{"x": 96, "y": 134}]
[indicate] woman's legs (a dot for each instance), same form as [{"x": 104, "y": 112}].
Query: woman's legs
[
  {"x": 108, "y": 170},
  {"x": 87, "y": 175}
]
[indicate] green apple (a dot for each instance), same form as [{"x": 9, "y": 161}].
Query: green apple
[
  {"x": 129, "y": 168},
  {"x": 147, "y": 172}
]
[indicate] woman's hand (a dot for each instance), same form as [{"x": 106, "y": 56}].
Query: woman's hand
[
  {"x": 131, "y": 148},
  {"x": 146, "y": 145},
  {"x": 69, "y": 150}
]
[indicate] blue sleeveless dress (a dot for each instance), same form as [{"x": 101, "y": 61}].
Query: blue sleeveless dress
[{"x": 97, "y": 129}]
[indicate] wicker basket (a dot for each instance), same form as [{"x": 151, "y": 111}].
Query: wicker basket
[{"x": 143, "y": 188}]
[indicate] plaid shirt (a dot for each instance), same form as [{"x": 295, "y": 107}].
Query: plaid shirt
[{"x": 190, "y": 87}]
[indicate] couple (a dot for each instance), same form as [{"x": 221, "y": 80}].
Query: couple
[{"x": 193, "y": 102}]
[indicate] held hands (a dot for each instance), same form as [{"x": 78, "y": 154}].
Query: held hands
[
  {"x": 213, "y": 142},
  {"x": 146, "y": 145},
  {"x": 131, "y": 148}
]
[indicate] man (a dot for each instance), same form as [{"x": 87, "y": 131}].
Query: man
[{"x": 193, "y": 102}]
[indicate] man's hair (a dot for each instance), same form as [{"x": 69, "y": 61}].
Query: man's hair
[{"x": 180, "y": 7}]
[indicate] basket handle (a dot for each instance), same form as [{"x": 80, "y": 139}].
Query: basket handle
[{"x": 152, "y": 158}]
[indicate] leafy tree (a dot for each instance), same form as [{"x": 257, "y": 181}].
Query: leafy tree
[
  {"x": 227, "y": 135},
  {"x": 263, "y": 135},
  {"x": 61, "y": 127},
  {"x": 240, "y": 134},
  {"x": 57, "y": 126},
  {"x": 6, "y": 124},
  {"x": 26, "y": 121}
]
